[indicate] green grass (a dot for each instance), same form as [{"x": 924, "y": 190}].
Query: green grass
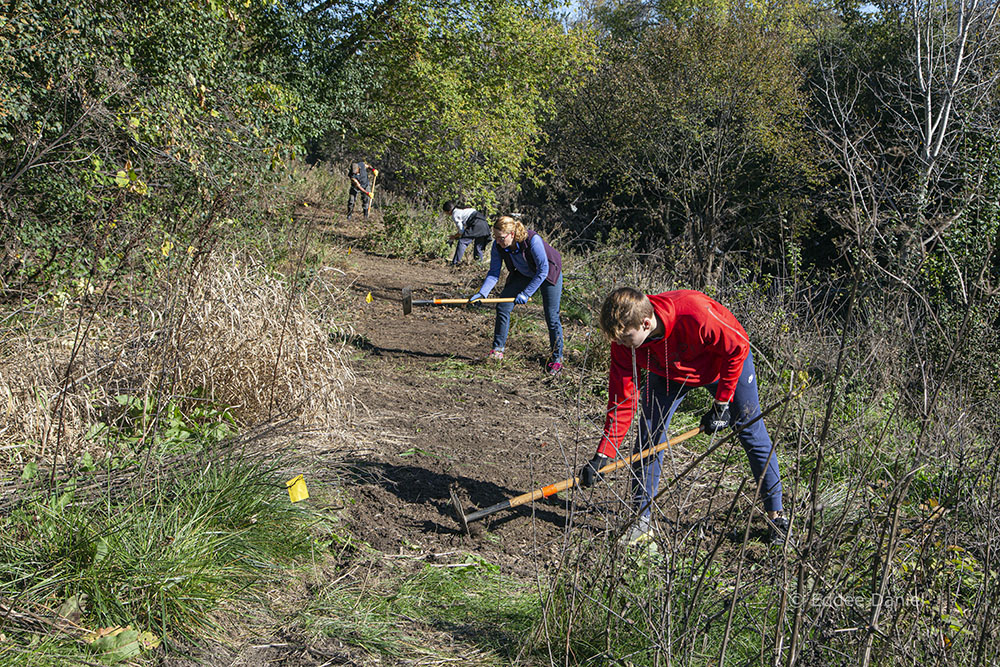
[
  {"x": 160, "y": 554},
  {"x": 453, "y": 368},
  {"x": 463, "y": 607},
  {"x": 651, "y": 597}
]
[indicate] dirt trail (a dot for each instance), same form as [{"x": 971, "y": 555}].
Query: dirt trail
[{"x": 433, "y": 413}]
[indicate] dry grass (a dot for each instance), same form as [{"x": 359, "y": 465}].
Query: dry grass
[
  {"x": 322, "y": 184},
  {"x": 230, "y": 334}
]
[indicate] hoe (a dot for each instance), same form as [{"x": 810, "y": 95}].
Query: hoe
[
  {"x": 409, "y": 303},
  {"x": 552, "y": 489}
]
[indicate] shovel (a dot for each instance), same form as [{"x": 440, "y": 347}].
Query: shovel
[
  {"x": 553, "y": 489},
  {"x": 409, "y": 303}
]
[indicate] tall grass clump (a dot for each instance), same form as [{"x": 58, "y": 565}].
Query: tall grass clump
[
  {"x": 227, "y": 335},
  {"x": 157, "y": 552}
]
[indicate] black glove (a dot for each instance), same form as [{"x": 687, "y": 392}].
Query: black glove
[
  {"x": 589, "y": 474},
  {"x": 717, "y": 418}
]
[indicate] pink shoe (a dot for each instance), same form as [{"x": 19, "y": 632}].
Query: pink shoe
[
  {"x": 495, "y": 355},
  {"x": 554, "y": 368}
]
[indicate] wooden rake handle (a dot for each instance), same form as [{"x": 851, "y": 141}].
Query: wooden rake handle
[{"x": 553, "y": 489}]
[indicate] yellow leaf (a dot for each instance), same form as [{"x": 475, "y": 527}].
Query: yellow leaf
[
  {"x": 109, "y": 631},
  {"x": 369, "y": 299}
]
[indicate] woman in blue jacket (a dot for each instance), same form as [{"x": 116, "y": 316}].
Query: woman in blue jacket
[{"x": 532, "y": 266}]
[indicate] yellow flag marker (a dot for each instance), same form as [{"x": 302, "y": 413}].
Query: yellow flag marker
[
  {"x": 369, "y": 299},
  {"x": 297, "y": 488}
]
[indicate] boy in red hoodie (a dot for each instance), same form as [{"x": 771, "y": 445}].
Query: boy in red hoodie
[{"x": 683, "y": 339}]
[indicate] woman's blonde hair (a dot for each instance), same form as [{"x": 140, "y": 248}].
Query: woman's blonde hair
[
  {"x": 506, "y": 224},
  {"x": 624, "y": 310}
]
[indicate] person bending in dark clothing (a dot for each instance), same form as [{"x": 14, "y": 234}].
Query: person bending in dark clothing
[{"x": 473, "y": 229}]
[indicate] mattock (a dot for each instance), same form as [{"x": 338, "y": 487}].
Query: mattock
[
  {"x": 552, "y": 489},
  {"x": 409, "y": 303}
]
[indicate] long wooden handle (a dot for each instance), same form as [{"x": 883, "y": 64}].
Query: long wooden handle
[
  {"x": 456, "y": 302},
  {"x": 553, "y": 489}
]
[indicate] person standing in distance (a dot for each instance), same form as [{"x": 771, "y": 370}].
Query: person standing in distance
[{"x": 360, "y": 186}]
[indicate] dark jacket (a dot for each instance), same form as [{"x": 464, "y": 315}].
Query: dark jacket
[
  {"x": 476, "y": 226},
  {"x": 361, "y": 177}
]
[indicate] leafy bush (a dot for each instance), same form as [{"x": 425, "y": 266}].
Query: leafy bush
[
  {"x": 172, "y": 118},
  {"x": 408, "y": 231}
]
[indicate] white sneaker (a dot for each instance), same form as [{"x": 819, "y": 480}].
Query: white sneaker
[{"x": 640, "y": 532}]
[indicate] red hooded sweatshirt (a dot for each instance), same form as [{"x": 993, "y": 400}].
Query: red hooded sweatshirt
[{"x": 702, "y": 343}]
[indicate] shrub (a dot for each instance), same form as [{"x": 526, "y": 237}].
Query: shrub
[{"x": 408, "y": 231}]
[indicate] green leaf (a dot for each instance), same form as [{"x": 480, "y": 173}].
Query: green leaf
[
  {"x": 118, "y": 647},
  {"x": 96, "y": 429},
  {"x": 29, "y": 472},
  {"x": 72, "y": 608},
  {"x": 100, "y": 550}
]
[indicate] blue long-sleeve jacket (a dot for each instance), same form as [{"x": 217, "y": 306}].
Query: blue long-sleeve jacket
[{"x": 537, "y": 270}]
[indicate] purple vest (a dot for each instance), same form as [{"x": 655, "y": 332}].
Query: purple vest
[{"x": 555, "y": 259}]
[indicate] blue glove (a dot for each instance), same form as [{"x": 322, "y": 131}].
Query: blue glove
[
  {"x": 476, "y": 297},
  {"x": 521, "y": 298}
]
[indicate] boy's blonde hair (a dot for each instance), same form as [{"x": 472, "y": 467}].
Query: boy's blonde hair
[
  {"x": 624, "y": 310},
  {"x": 508, "y": 224}
]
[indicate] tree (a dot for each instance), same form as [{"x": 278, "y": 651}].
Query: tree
[
  {"x": 905, "y": 105},
  {"x": 459, "y": 90},
  {"x": 692, "y": 134},
  {"x": 118, "y": 117}
]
